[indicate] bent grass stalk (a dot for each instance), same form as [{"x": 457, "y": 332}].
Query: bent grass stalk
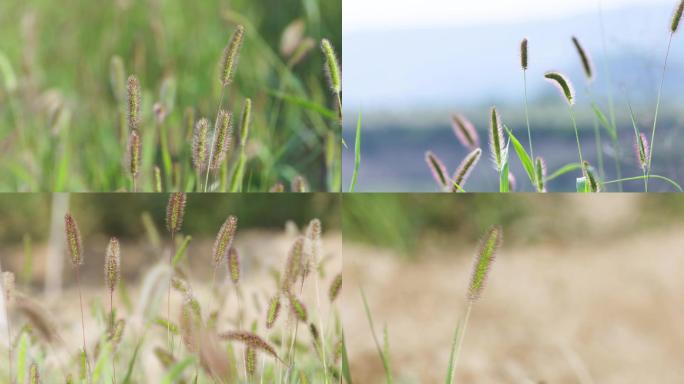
[{"x": 676, "y": 18}]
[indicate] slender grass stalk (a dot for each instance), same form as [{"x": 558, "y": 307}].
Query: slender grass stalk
[
  {"x": 611, "y": 104},
  {"x": 524, "y": 61},
  {"x": 357, "y": 155},
  {"x": 8, "y": 292},
  {"x": 73, "y": 238},
  {"x": 314, "y": 232},
  {"x": 565, "y": 87},
  {"x": 175, "y": 210},
  {"x": 641, "y": 144},
  {"x": 482, "y": 264},
  {"x": 112, "y": 277},
  {"x": 673, "y": 28}
]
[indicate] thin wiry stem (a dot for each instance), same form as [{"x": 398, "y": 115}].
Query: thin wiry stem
[
  {"x": 213, "y": 140},
  {"x": 527, "y": 116},
  {"x": 461, "y": 335},
  {"x": 111, "y": 315},
  {"x": 579, "y": 147},
  {"x": 655, "y": 119},
  {"x": 168, "y": 297},
  {"x": 611, "y": 104},
  {"x": 9, "y": 341},
  {"x": 320, "y": 323},
  {"x": 80, "y": 300},
  {"x": 597, "y": 137}
]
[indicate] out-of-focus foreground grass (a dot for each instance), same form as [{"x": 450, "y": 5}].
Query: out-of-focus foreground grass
[{"x": 63, "y": 124}]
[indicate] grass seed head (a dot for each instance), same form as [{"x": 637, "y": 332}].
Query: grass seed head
[
  {"x": 112, "y": 264},
  {"x": 540, "y": 174},
  {"x": 563, "y": 84},
  {"x": 332, "y": 67},
  {"x": 437, "y": 168},
  {"x": 465, "y": 131},
  {"x": 297, "y": 307},
  {"x": 222, "y": 141},
  {"x": 231, "y": 54},
  {"x": 483, "y": 261},
  {"x": 246, "y": 121},
  {"x": 73, "y": 237},
  {"x": 200, "y": 144},
  {"x": 251, "y": 340},
  {"x": 157, "y": 179},
  {"x": 278, "y": 187},
  {"x": 133, "y": 89},
  {"x": 175, "y": 209},
  {"x": 335, "y": 288},
  {"x": 250, "y": 361},
  {"x": 293, "y": 265},
  {"x": 234, "y": 265},
  {"x": 677, "y": 17},
  {"x": 465, "y": 169},
  {"x": 523, "y": 54},
  {"x": 641, "y": 149},
  {"x": 594, "y": 184},
  {"x": 8, "y": 285},
  {"x": 496, "y": 139},
  {"x": 224, "y": 239},
  {"x": 584, "y": 57},
  {"x": 299, "y": 184},
  {"x": 133, "y": 154},
  {"x": 273, "y": 311}
]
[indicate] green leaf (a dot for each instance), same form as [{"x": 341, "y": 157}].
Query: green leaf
[
  {"x": 357, "y": 155},
  {"x": 604, "y": 121},
  {"x": 454, "y": 346},
  {"x": 563, "y": 170},
  {"x": 131, "y": 363},
  {"x": 522, "y": 155},
  {"x": 100, "y": 373},
  {"x": 21, "y": 358},
  {"x": 345, "y": 362},
  {"x": 304, "y": 103},
  {"x": 180, "y": 253},
  {"x": 176, "y": 371},
  {"x": 582, "y": 185},
  {"x": 385, "y": 361},
  {"x": 503, "y": 179}
]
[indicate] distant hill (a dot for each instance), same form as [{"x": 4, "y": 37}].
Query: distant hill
[{"x": 466, "y": 66}]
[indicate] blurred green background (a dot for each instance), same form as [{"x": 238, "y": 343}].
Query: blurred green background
[
  {"x": 60, "y": 125},
  {"x": 122, "y": 214},
  {"x": 405, "y": 222}
]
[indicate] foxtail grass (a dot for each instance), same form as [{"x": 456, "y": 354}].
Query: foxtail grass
[
  {"x": 588, "y": 69},
  {"x": 332, "y": 71},
  {"x": 465, "y": 169},
  {"x": 439, "y": 172},
  {"x": 175, "y": 210},
  {"x": 674, "y": 25},
  {"x": 465, "y": 131},
  {"x": 524, "y": 61},
  {"x": 75, "y": 245},
  {"x": 482, "y": 264},
  {"x": 567, "y": 91},
  {"x": 112, "y": 277}
]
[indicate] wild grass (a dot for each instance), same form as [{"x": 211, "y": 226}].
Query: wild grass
[
  {"x": 588, "y": 179},
  {"x": 123, "y": 122},
  {"x": 221, "y": 342},
  {"x": 482, "y": 263}
]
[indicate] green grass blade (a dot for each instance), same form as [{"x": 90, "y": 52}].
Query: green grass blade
[
  {"x": 454, "y": 347},
  {"x": 522, "y": 155},
  {"x": 503, "y": 179},
  {"x": 100, "y": 374},
  {"x": 180, "y": 253},
  {"x": 563, "y": 170},
  {"x": 582, "y": 185},
  {"x": 346, "y": 372},
  {"x": 304, "y": 103},
  {"x": 131, "y": 363},
  {"x": 176, "y": 371},
  {"x": 604, "y": 121},
  {"x": 357, "y": 155},
  {"x": 385, "y": 362},
  {"x": 21, "y": 358},
  {"x": 670, "y": 181}
]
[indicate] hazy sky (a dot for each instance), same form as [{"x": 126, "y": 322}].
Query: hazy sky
[{"x": 386, "y": 14}]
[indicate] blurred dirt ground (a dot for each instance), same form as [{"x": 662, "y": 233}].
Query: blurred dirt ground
[{"x": 598, "y": 311}]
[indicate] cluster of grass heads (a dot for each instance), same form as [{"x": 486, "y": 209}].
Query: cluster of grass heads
[
  {"x": 591, "y": 178},
  {"x": 489, "y": 245},
  {"x": 202, "y": 340},
  {"x": 132, "y": 96}
]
